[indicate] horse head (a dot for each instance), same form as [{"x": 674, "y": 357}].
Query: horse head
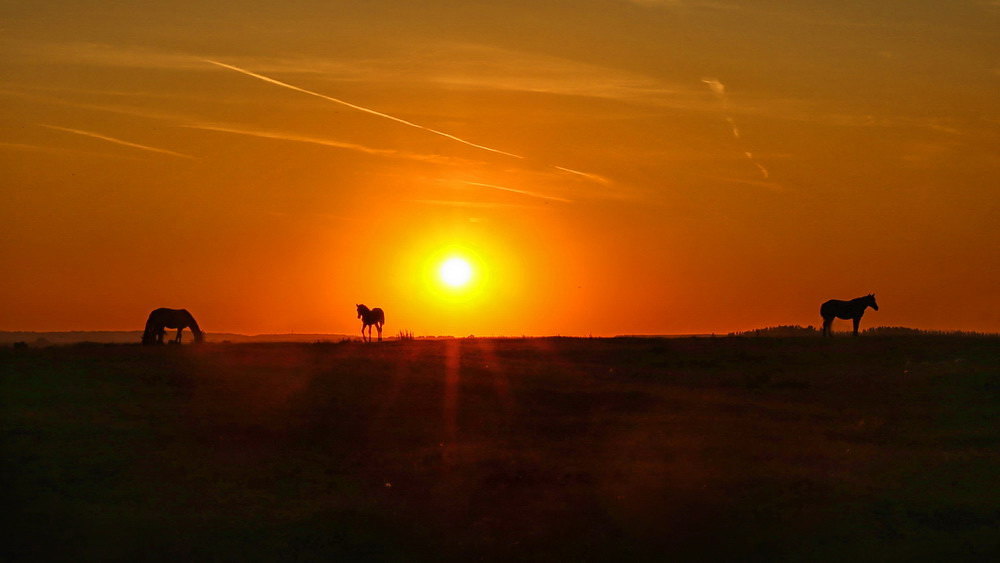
[
  {"x": 362, "y": 310},
  {"x": 870, "y": 301}
]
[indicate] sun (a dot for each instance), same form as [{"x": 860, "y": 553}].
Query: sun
[
  {"x": 455, "y": 272},
  {"x": 456, "y": 276}
]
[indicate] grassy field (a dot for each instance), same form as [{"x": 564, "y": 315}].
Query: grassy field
[{"x": 875, "y": 448}]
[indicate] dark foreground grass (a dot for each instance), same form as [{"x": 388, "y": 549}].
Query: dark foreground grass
[{"x": 525, "y": 449}]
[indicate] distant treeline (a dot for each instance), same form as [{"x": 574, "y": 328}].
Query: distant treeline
[{"x": 781, "y": 331}]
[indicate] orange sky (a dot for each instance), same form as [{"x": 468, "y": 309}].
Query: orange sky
[{"x": 609, "y": 167}]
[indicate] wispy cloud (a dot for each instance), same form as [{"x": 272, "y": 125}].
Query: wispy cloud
[
  {"x": 294, "y": 137},
  {"x": 683, "y": 4},
  {"x": 58, "y": 150},
  {"x": 719, "y": 89},
  {"x": 392, "y": 153},
  {"x": 473, "y": 66},
  {"x": 768, "y": 184},
  {"x": 121, "y": 109},
  {"x": 471, "y": 204},
  {"x": 517, "y": 191},
  {"x": 362, "y": 109},
  {"x": 104, "y": 54},
  {"x": 117, "y": 141},
  {"x": 439, "y": 63}
]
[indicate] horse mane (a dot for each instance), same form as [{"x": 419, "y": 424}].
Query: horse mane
[
  {"x": 150, "y": 324},
  {"x": 149, "y": 334},
  {"x": 199, "y": 335}
]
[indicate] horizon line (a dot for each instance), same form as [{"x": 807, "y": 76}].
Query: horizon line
[{"x": 744, "y": 332}]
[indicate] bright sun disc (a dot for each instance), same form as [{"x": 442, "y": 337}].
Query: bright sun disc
[{"x": 455, "y": 272}]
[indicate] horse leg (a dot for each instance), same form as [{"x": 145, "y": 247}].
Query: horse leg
[
  {"x": 857, "y": 321},
  {"x": 826, "y": 327},
  {"x": 363, "y": 333},
  {"x": 379, "y": 327}
]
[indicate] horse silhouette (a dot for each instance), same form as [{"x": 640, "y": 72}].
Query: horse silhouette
[
  {"x": 368, "y": 318},
  {"x": 852, "y": 309},
  {"x": 161, "y": 319}
]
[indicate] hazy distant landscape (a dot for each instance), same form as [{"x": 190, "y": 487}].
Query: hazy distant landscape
[
  {"x": 872, "y": 448},
  {"x": 42, "y": 339},
  {"x": 134, "y": 336}
]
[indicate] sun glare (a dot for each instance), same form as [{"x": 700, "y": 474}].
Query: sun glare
[
  {"x": 454, "y": 277},
  {"x": 455, "y": 272}
]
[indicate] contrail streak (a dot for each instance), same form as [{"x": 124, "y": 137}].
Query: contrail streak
[
  {"x": 760, "y": 167},
  {"x": 522, "y": 192},
  {"x": 361, "y": 108},
  {"x": 116, "y": 141},
  {"x": 719, "y": 89},
  {"x": 593, "y": 177}
]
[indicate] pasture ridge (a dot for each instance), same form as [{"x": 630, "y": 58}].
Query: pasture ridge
[{"x": 596, "y": 449}]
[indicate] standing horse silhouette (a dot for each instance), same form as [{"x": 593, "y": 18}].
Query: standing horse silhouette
[
  {"x": 371, "y": 317},
  {"x": 162, "y": 319},
  {"x": 852, "y": 309}
]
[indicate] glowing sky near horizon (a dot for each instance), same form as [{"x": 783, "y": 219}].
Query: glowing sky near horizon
[{"x": 614, "y": 166}]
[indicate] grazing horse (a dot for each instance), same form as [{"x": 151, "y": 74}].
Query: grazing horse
[
  {"x": 852, "y": 309},
  {"x": 371, "y": 317},
  {"x": 162, "y": 319}
]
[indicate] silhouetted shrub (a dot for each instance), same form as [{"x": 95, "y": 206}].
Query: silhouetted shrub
[
  {"x": 779, "y": 331},
  {"x": 906, "y": 331}
]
